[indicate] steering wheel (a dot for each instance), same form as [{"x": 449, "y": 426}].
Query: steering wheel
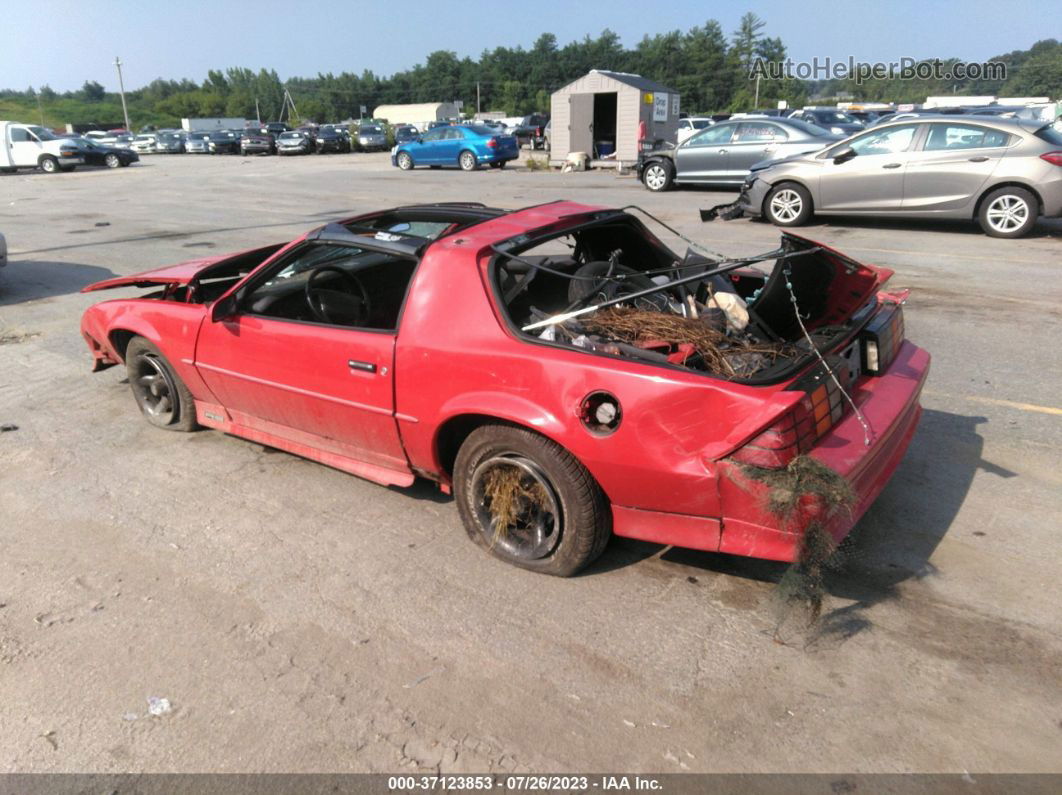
[{"x": 315, "y": 298}]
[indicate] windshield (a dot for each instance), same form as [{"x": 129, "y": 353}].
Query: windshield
[
  {"x": 288, "y": 136},
  {"x": 832, "y": 117},
  {"x": 369, "y": 130},
  {"x": 808, "y": 128},
  {"x": 169, "y": 137},
  {"x": 42, "y": 134}
]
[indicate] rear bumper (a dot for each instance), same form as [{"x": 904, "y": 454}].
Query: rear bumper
[{"x": 890, "y": 405}]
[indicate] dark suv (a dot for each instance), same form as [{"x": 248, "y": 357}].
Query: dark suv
[{"x": 532, "y": 130}]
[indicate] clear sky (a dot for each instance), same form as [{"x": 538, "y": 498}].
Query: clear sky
[{"x": 63, "y": 43}]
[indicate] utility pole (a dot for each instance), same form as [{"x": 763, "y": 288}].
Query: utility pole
[
  {"x": 121, "y": 90},
  {"x": 756, "y": 102},
  {"x": 477, "y": 98},
  {"x": 257, "y": 112},
  {"x": 40, "y": 110}
]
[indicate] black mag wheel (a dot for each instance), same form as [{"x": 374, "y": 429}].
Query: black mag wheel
[
  {"x": 528, "y": 501},
  {"x": 162, "y": 398}
]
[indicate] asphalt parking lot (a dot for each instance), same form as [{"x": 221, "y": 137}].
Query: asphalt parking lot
[{"x": 300, "y": 619}]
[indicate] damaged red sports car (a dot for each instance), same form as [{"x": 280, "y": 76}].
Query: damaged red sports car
[{"x": 560, "y": 368}]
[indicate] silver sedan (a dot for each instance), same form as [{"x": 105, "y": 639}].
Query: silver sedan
[
  {"x": 723, "y": 153},
  {"x": 1003, "y": 173}
]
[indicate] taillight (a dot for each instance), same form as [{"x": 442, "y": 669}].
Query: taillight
[
  {"x": 492, "y": 143},
  {"x": 1054, "y": 158},
  {"x": 882, "y": 338},
  {"x": 780, "y": 443},
  {"x": 538, "y": 131}
]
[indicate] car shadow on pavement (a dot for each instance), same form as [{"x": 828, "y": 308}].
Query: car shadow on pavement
[
  {"x": 891, "y": 544},
  {"x": 1045, "y": 227},
  {"x": 31, "y": 280}
]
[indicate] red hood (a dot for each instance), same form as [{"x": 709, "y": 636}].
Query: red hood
[{"x": 171, "y": 274}]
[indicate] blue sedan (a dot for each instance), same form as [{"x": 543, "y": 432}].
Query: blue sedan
[{"x": 466, "y": 146}]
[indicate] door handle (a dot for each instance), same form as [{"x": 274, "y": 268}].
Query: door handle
[
  {"x": 980, "y": 159},
  {"x": 721, "y": 152},
  {"x": 892, "y": 165},
  {"x": 364, "y": 367}
]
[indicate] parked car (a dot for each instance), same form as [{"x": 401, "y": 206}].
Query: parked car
[
  {"x": 224, "y": 142},
  {"x": 145, "y": 143},
  {"x": 118, "y": 139},
  {"x": 372, "y": 138},
  {"x": 329, "y": 139},
  {"x": 253, "y": 142},
  {"x": 97, "y": 154},
  {"x": 690, "y": 126},
  {"x": 294, "y": 142},
  {"x": 868, "y": 117},
  {"x": 275, "y": 128},
  {"x": 170, "y": 142},
  {"x": 550, "y": 447},
  {"x": 466, "y": 146},
  {"x": 30, "y": 146},
  {"x": 723, "y": 153},
  {"x": 1003, "y": 173},
  {"x": 836, "y": 121},
  {"x": 197, "y": 143},
  {"x": 531, "y": 130},
  {"x": 405, "y": 133}
]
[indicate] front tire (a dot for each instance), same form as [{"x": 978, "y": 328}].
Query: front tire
[
  {"x": 404, "y": 160},
  {"x": 658, "y": 176},
  {"x": 558, "y": 519},
  {"x": 788, "y": 204},
  {"x": 160, "y": 395},
  {"x": 112, "y": 160},
  {"x": 1008, "y": 212},
  {"x": 467, "y": 161},
  {"x": 49, "y": 165}
]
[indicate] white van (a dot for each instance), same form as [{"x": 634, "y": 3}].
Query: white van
[{"x": 30, "y": 146}]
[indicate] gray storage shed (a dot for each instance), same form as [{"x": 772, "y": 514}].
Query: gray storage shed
[{"x": 601, "y": 111}]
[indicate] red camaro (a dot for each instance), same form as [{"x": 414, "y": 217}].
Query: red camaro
[{"x": 559, "y": 367}]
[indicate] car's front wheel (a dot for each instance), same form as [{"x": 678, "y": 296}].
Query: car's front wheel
[
  {"x": 112, "y": 160},
  {"x": 528, "y": 501},
  {"x": 1008, "y": 212},
  {"x": 788, "y": 204},
  {"x": 658, "y": 175},
  {"x": 468, "y": 161},
  {"x": 49, "y": 165},
  {"x": 160, "y": 394},
  {"x": 404, "y": 160}
]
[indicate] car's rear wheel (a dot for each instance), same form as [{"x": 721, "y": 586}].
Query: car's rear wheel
[
  {"x": 528, "y": 501},
  {"x": 404, "y": 160},
  {"x": 788, "y": 204},
  {"x": 162, "y": 397},
  {"x": 467, "y": 161},
  {"x": 49, "y": 165},
  {"x": 112, "y": 160},
  {"x": 658, "y": 175},
  {"x": 1008, "y": 212}
]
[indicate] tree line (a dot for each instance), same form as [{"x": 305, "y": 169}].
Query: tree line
[{"x": 710, "y": 70}]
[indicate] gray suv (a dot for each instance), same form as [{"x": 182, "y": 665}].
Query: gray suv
[{"x": 1004, "y": 173}]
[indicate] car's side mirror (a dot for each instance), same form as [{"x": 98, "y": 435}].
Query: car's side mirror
[
  {"x": 843, "y": 156},
  {"x": 223, "y": 309}
]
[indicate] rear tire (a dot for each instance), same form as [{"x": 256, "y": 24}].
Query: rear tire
[
  {"x": 1008, "y": 212},
  {"x": 788, "y": 204},
  {"x": 573, "y": 510},
  {"x": 658, "y": 176},
  {"x": 467, "y": 161},
  {"x": 160, "y": 395}
]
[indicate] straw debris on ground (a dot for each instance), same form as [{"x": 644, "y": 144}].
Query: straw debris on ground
[
  {"x": 509, "y": 497},
  {"x": 716, "y": 349}
]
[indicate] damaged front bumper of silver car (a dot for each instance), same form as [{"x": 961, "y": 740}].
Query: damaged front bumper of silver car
[{"x": 749, "y": 202}]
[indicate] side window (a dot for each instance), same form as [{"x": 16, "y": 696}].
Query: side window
[
  {"x": 434, "y": 135},
  {"x": 760, "y": 132},
  {"x": 351, "y": 287},
  {"x": 713, "y": 136},
  {"x": 20, "y": 136},
  {"x": 961, "y": 136},
  {"x": 885, "y": 142}
]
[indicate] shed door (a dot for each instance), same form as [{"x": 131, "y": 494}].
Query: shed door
[{"x": 581, "y": 123}]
